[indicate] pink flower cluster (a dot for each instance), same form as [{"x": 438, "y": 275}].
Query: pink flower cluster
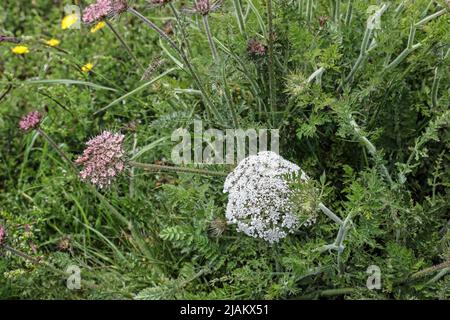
[
  {"x": 30, "y": 121},
  {"x": 2, "y": 235},
  {"x": 102, "y": 9},
  {"x": 202, "y": 7},
  {"x": 103, "y": 159},
  {"x": 256, "y": 48}
]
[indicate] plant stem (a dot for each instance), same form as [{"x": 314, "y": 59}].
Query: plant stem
[
  {"x": 432, "y": 269},
  {"x": 349, "y": 13},
  {"x": 156, "y": 167},
  {"x": 229, "y": 99},
  {"x": 210, "y": 106},
  {"x": 337, "y": 11},
  {"x": 364, "y": 51},
  {"x": 435, "y": 88},
  {"x": 210, "y": 38},
  {"x": 57, "y": 148},
  {"x": 270, "y": 62},
  {"x": 133, "y": 152},
  {"x": 309, "y": 10},
  {"x": 370, "y": 148},
  {"x": 430, "y": 17},
  {"x": 127, "y": 48},
  {"x": 316, "y": 75},
  {"x": 183, "y": 33},
  {"x": 36, "y": 261},
  {"x": 239, "y": 17},
  {"x": 330, "y": 214}
]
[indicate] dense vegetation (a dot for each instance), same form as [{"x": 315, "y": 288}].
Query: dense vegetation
[{"x": 362, "y": 107}]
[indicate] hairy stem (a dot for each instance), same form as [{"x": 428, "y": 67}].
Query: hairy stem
[
  {"x": 435, "y": 88},
  {"x": 349, "y": 13},
  {"x": 156, "y": 167},
  {"x": 210, "y": 38},
  {"x": 371, "y": 149},
  {"x": 330, "y": 214},
  {"x": 270, "y": 62},
  {"x": 239, "y": 17},
  {"x": 180, "y": 26},
  {"x": 210, "y": 106}
]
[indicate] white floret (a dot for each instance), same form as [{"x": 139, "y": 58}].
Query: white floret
[{"x": 259, "y": 196}]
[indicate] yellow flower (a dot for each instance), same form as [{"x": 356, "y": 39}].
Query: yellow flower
[
  {"x": 87, "y": 67},
  {"x": 20, "y": 50},
  {"x": 69, "y": 21},
  {"x": 53, "y": 42},
  {"x": 98, "y": 26}
]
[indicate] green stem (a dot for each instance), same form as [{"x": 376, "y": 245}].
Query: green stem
[
  {"x": 229, "y": 99},
  {"x": 156, "y": 167},
  {"x": 183, "y": 33},
  {"x": 239, "y": 17},
  {"x": 435, "y": 88},
  {"x": 309, "y": 10},
  {"x": 349, "y": 13},
  {"x": 432, "y": 269},
  {"x": 402, "y": 56},
  {"x": 370, "y": 148},
  {"x": 57, "y": 148},
  {"x": 330, "y": 214},
  {"x": 430, "y": 17},
  {"x": 316, "y": 75},
  {"x": 123, "y": 43},
  {"x": 41, "y": 262},
  {"x": 210, "y": 106},
  {"x": 337, "y": 11},
  {"x": 210, "y": 39},
  {"x": 270, "y": 62}
]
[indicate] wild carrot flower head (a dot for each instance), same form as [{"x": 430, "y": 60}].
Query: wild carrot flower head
[
  {"x": 102, "y": 9},
  {"x": 30, "y": 121},
  {"x": 2, "y": 235},
  {"x": 256, "y": 48},
  {"x": 259, "y": 196},
  {"x": 103, "y": 159}
]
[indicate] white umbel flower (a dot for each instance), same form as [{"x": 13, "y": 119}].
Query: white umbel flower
[{"x": 259, "y": 196}]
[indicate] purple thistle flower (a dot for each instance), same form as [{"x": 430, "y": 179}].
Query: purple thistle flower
[
  {"x": 103, "y": 159},
  {"x": 204, "y": 7},
  {"x": 103, "y": 9},
  {"x": 2, "y": 235},
  {"x": 30, "y": 121},
  {"x": 256, "y": 48}
]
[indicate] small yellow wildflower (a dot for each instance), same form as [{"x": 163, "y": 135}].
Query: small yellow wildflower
[
  {"x": 69, "y": 21},
  {"x": 87, "y": 67},
  {"x": 98, "y": 26},
  {"x": 53, "y": 42},
  {"x": 20, "y": 50}
]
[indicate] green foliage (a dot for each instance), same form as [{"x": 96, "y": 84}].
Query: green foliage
[{"x": 370, "y": 117}]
